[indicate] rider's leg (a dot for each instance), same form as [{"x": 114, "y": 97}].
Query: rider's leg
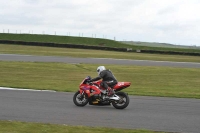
[{"x": 105, "y": 84}]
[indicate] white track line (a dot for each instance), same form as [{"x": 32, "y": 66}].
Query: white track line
[{"x": 20, "y": 89}]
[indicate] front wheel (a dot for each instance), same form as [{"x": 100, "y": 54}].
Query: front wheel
[
  {"x": 123, "y": 102},
  {"x": 80, "y": 99}
]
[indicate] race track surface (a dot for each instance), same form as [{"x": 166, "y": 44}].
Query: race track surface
[
  {"x": 153, "y": 113},
  {"x": 32, "y": 58}
]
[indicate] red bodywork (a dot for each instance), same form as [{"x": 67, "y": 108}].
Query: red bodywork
[{"x": 87, "y": 88}]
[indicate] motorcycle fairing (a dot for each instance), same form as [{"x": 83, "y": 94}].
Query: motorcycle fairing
[{"x": 121, "y": 85}]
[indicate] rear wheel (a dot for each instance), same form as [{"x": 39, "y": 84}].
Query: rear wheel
[
  {"x": 123, "y": 102},
  {"x": 80, "y": 99}
]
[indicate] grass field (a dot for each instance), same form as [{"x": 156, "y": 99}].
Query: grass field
[
  {"x": 146, "y": 81},
  {"x": 156, "y": 44},
  {"x": 84, "y": 40},
  {"x": 35, "y": 50},
  {"x": 61, "y": 39},
  {"x": 22, "y": 127}
]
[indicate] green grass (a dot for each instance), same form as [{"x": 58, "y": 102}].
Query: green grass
[
  {"x": 146, "y": 81},
  {"x": 156, "y": 44},
  {"x": 36, "y": 50},
  {"x": 84, "y": 40},
  {"x": 61, "y": 39},
  {"x": 22, "y": 127}
]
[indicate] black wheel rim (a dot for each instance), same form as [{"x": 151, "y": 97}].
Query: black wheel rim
[{"x": 81, "y": 99}]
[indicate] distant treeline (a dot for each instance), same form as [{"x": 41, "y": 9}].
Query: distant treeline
[{"x": 46, "y": 44}]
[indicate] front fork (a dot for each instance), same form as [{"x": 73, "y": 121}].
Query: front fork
[
  {"x": 81, "y": 95},
  {"x": 85, "y": 93}
]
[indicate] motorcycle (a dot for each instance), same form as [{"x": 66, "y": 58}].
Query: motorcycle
[{"x": 94, "y": 94}]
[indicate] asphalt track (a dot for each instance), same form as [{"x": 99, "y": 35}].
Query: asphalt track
[
  {"x": 153, "y": 113},
  {"x": 32, "y": 58}
]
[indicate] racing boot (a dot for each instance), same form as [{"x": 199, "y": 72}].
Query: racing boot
[{"x": 110, "y": 92}]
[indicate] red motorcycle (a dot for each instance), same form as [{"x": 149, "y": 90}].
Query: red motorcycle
[{"x": 93, "y": 93}]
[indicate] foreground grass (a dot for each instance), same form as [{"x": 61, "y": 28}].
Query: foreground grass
[
  {"x": 22, "y": 127},
  {"x": 36, "y": 50},
  {"x": 146, "y": 81}
]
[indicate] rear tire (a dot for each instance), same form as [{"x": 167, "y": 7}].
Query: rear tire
[
  {"x": 79, "y": 99},
  {"x": 123, "y": 102}
]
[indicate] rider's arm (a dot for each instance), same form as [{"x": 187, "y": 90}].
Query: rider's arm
[
  {"x": 101, "y": 75},
  {"x": 95, "y": 79}
]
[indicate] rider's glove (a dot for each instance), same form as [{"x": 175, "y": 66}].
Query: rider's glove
[{"x": 90, "y": 82}]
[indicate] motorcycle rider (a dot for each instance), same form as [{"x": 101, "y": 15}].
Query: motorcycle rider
[{"x": 108, "y": 81}]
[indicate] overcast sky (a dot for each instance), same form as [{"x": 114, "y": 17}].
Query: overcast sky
[{"x": 165, "y": 21}]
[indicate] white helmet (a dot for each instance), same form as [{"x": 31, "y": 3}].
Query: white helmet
[{"x": 100, "y": 69}]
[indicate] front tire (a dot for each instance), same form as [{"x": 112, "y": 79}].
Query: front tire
[
  {"x": 123, "y": 102},
  {"x": 80, "y": 99}
]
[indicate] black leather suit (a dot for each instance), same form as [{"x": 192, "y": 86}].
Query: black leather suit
[{"x": 108, "y": 79}]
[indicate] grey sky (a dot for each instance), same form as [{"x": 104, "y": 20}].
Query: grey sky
[{"x": 166, "y": 21}]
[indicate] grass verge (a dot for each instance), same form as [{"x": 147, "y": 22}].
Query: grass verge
[
  {"x": 22, "y": 127},
  {"x": 146, "y": 81},
  {"x": 36, "y": 50}
]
